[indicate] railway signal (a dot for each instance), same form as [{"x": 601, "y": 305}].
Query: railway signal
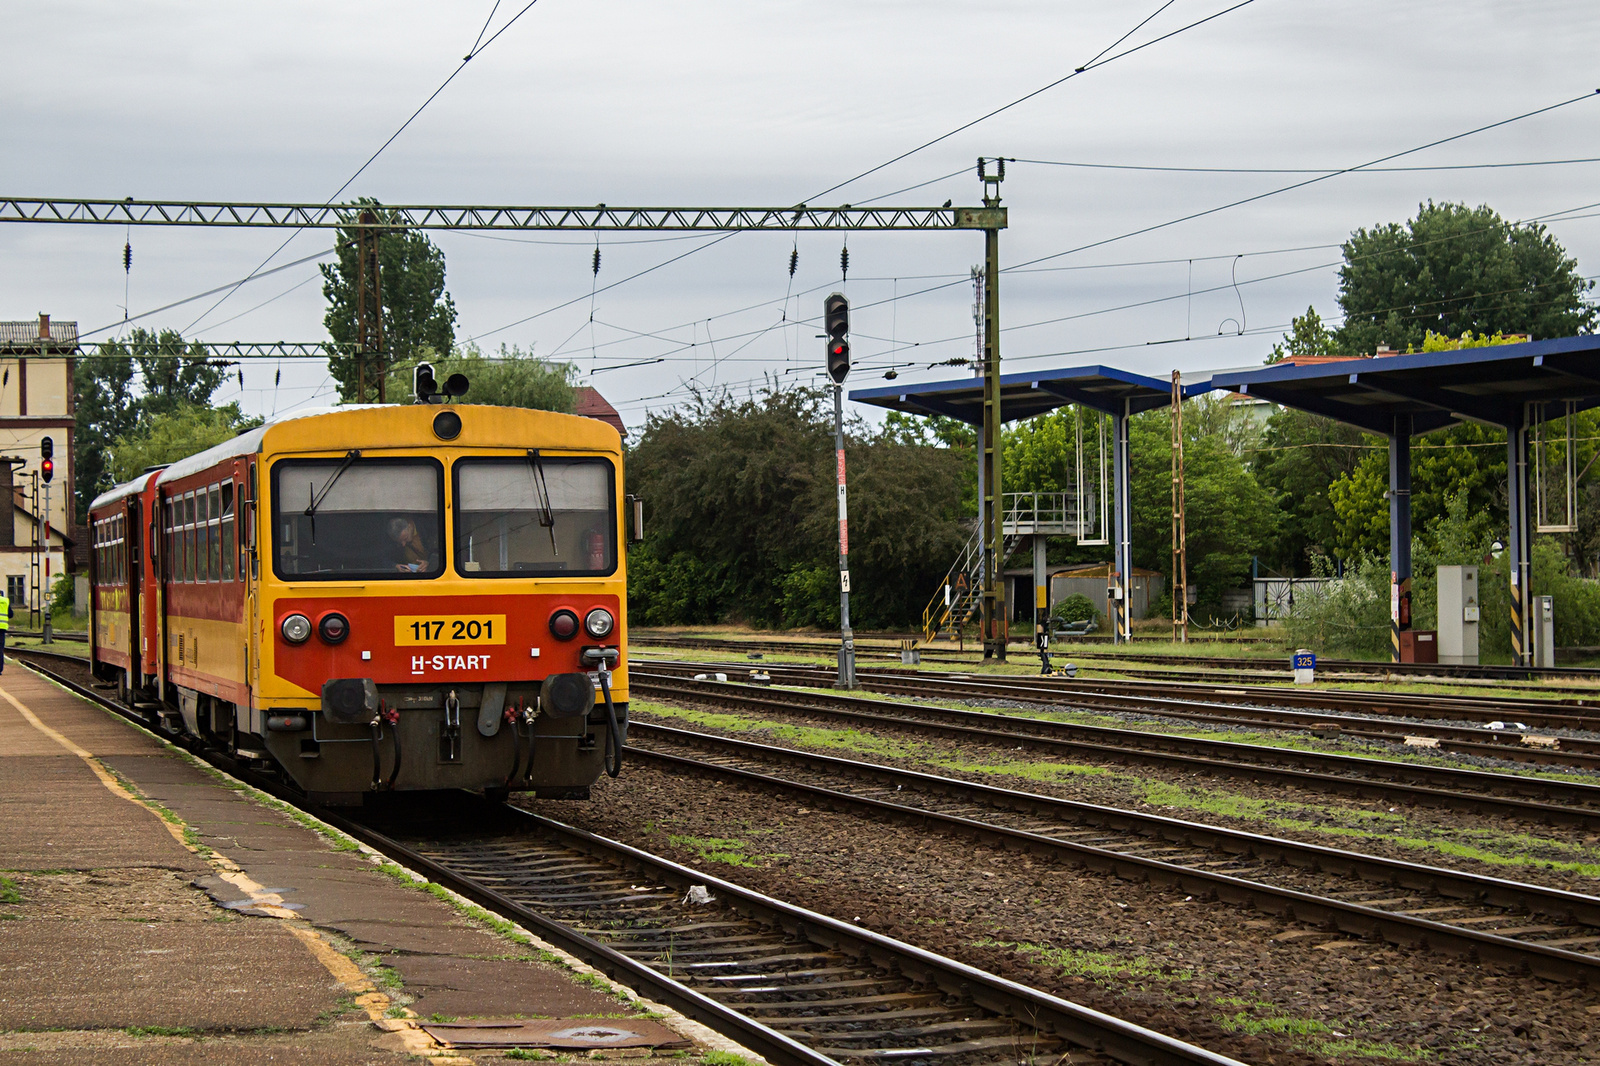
[
  {"x": 427, "y": 385},
  {"x": 836, "y": 316},
  {"x": 47, "y": 463}
]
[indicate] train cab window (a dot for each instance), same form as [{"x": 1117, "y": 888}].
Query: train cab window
[
  {"x": 523, "y": 517},
  {"x": 225, "y": 527},
  {"x": 341, "y": 518}
]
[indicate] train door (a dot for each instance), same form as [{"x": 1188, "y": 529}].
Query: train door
[
  {"x": 160, "y": 523},
  {"x": 249, "y": 573},
  {"x": 134, "y": 566}
]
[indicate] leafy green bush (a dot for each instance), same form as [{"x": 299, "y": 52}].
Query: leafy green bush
[
  {"x": 1349, "y": 614},
  {"x": 1075, "y": 608}
]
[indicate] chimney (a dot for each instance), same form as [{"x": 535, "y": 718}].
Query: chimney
[{"x": 44, "y": 326}]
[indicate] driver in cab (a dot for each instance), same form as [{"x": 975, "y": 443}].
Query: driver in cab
[{"x": 411, "y": 555}]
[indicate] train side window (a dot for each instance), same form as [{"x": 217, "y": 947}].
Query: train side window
[
  {"x": 168, "y": 558},
  {"x": 226, "y": 529},
  {"x": 214, "y": 534},
  {"x": 188, "y": 537}
]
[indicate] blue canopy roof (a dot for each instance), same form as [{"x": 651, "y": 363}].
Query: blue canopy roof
[
  {"x": 1436, "y": 388},
  {"x": 1030, "y": 394}
]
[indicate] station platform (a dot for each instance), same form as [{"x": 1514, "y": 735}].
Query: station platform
[{"x": 152, "y": 910}]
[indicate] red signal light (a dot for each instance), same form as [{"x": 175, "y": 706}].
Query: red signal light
[{"x": 47, "y": 469}]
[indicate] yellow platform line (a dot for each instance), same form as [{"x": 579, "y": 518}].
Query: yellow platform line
[{"x": 350, "y": 977}]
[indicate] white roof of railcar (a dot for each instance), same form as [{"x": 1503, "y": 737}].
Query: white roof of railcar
[{"x": 246, "y": 443}]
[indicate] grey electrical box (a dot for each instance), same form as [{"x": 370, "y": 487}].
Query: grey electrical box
[
  {"x": 1544, "y": 632},
  {"x": 1459, "y": 610}
]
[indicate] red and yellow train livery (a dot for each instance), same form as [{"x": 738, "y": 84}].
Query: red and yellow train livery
[{"x": 391, "y": 597}]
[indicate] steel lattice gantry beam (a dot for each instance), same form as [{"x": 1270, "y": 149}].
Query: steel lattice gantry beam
[
  {"x": 988, "y": 219},
  {"x": 223, "y": 350},
  {"x": 479, "y": 217}
]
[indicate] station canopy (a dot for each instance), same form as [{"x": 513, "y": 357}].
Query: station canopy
[
  {"x": 1028, "y": 395},
  {"x": 1436, "y": 389}
]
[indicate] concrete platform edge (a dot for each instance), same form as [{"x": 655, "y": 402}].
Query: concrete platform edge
[{"x": 416, "y": 1039}]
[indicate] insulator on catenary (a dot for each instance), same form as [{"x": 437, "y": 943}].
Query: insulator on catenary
[
  {"x": 794, "y": 261},
  {"x": 241, "y": 380},
  {"x": 844, "y": 261},
  {"x": 597, "y": 260},
  {"x": 127, "y": 257}
]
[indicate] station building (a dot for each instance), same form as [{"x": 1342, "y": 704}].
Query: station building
[{"x": 36, "y": 401}]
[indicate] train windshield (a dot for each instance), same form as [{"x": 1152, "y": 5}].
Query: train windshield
[
  {"x": 535, "y": 515},
  {"x": 357, "y": 517}
]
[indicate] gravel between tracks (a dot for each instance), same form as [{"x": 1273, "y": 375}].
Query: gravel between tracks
[
  {"x": 1558, "y": 856},
  {"x": 1252, "y": 986}
]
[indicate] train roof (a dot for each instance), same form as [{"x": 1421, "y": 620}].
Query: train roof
[
  {"x": 127, "y": 488},
  {"x": 250, "y": 442}
]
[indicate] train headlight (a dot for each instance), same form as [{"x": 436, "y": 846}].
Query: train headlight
[
  {"x": 333, "y": 628},
  {"x": 563, "y": 625},
  {"x": 296, "y": 629},
  {"x": 598, "y": 623}
]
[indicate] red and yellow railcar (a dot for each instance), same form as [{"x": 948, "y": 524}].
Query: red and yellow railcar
[{"x": 392, "y": 597}]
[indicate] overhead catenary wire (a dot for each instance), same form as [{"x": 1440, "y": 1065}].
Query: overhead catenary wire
[
  {"x": 1098, "y": 61},
  {"x": 1309, "y": 181},
  {"x": 477, "y": 49},
  {"x": 1301, "y": 170}
]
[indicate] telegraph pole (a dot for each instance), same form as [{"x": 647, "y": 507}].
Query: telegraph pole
[
  {"x": 996, "y": 626},
  {"x": 369, "y": 307},
  {"x": 836, "y": 316}
]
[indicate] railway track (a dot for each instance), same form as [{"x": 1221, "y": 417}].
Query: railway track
[
  {"x": 1532, "y": 798},
  {"x": 798, "y": 987},
  {"x": 1243, "y": 707},
  {"x": 1548, "y": 932},
  {"x": 1077, "y": 650}
]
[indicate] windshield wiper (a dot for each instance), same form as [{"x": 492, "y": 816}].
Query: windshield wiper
[
  {"x": 547, "y": 517},
  {"x": 311, "y": 508}
]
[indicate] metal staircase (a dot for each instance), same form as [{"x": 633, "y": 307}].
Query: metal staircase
[{"x": 959, "y": 598}]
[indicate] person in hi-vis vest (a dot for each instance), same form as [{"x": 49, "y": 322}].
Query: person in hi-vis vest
[{"x": 5, "y": 624}]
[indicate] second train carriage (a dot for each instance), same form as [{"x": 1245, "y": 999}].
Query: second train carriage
[{"x": 407, "y": 597}]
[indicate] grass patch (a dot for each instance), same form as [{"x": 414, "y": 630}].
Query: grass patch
[
  {"x": 724, "y": 1058},
  {"x": 1097, "y": 966},
  {"x": 716, "y": 849},
  {"x": 852, "y": 740},
  {"x": 159, "y": 1030},
  {"x": 8, "y": 891}
]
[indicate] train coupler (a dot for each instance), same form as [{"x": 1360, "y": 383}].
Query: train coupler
[{"x": 450, "y": 730}]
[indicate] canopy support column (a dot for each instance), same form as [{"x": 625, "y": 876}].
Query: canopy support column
[
  {"x": 1399, "y": 532},
  {"x": 1520, "y": 541},
  {"x": 1121, "y": 590}
]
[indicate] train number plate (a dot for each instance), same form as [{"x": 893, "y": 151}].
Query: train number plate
[{"x": 453, "y": 630}]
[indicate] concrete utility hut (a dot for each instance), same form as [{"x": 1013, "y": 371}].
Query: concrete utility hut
[
  {"x": 1118, "y": 393},
  {"x": 1517, "y": 387}
]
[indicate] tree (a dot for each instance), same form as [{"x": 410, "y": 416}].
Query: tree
[
  {"x": 174, "y": 435},
  {"x": 172, "y": 376},
  {"x": 1452, "y": 269},
  {"x": 104, "y": 411},
  {"x": 510, "y": 378},
  {"x": 744, "y": 516},
  {"x": 1307, "y": 336},
  {"x": 1230, "y": 516},
  {"x": 1300, "y": 455},
  {"x": 419, "y": 317}
]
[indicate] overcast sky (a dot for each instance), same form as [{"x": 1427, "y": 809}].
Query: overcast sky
[{"x": 718, "y": 103}]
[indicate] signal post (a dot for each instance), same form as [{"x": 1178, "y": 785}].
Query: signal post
[{"x": 836, "y": 316}]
